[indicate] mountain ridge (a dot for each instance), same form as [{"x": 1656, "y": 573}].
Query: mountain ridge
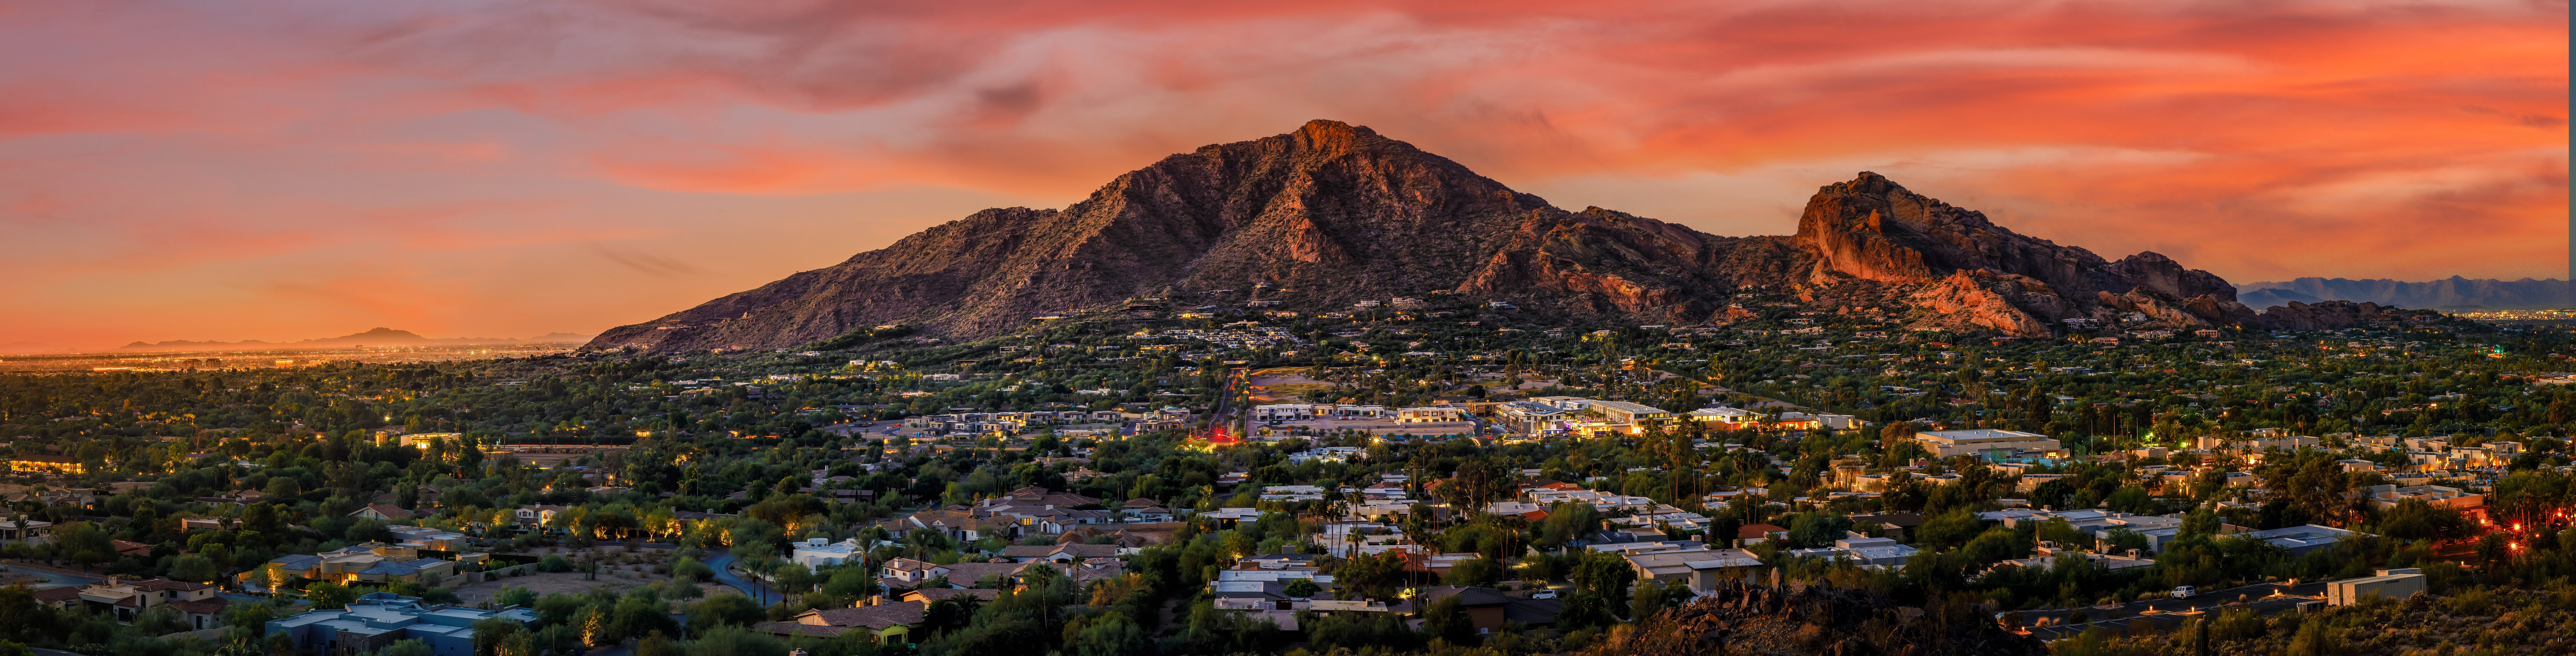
[
  {"x": 2455, "y": 292},
  {"x": 1333, "y": 213}
]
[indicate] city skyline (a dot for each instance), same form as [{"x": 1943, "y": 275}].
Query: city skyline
[{"x": 171, "y": 172}]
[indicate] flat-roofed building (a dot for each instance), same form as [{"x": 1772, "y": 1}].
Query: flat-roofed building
[
  {"x": 2301, "y": 540},
  {"x": 2390, "y": 583},
  {"x": 1978, "y": 440},
  {"x": 370, "y": 623},
  {"x": 1701, "y": 569},
  {"x": 46, "y": 465},
  {"x": 1635, "y": 414}
]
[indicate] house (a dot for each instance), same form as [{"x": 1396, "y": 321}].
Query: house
[
  {"x": 1488, "y": 609},
  {"x": 1861, "y": 550},
  {"x": 819, "y": 552},
  {"x": 382, "y": 511},
  {"x": 130, "y": 549},
  {"x": 968, "y": 575},
  {"x": 1750, "y": 534},
  {"x": 124, "y": 599},
  {"x": 909, "y": 573},
  {"x": 370, "y": 623},
  {"x": 2470, "y": 505},
  {"x": 430, "y": 539},
  {"x": 2301, "y": 540},
  {"x": 377, "y": 562},
  {"x": 1127, "y": 537},
  {"x": 1145, "y": 511},
  {"x": 954, "y": 522},
  {"x": 936, "y": 595},
  {"x": 1062, "y": 553},
  {"x": 275, "y": 573},
  {"x": 538, "y": 515},
  {"x": 25, "y": 529},
  {"x": 887, "y": 622},
  {"x": 1701, "y": 569}
]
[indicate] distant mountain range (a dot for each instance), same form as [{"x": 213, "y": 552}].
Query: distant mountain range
[
  {"x": 379, "y": 336},
  {"x": 1332, "y": 214},
  {"x": 2454, "y": 293}
]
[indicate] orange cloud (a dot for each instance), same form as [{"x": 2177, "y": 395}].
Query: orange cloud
[{"x": 2258, "y": 140}]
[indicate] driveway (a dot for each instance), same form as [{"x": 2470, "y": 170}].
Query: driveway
[
  {"x": 2169, "y": 614},
  {"x": 53, "y": 578},
  {"x": 723, "y": 565}
]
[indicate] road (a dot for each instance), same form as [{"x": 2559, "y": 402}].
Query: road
[
  {"x": 2169, "y": 614},
  {"x": 54, "y": 578},
  {"x": 723, "y": 564}
]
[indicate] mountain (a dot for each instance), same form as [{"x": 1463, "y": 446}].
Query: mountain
[
  {"x": 1334, "y": 213},
  {"x": 2451, "y": 293},
  {"x": 378, "y": 336}
]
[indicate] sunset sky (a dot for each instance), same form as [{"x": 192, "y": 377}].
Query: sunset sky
[{"x": 282, "y": 170}]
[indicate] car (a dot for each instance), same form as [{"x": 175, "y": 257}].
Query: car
[
  {"x": 2185, "y": 592},
  {"x": 1544, "y": 594}
]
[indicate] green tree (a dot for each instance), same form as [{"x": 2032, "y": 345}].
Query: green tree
[
  {"x": 1303, "y": 588},
  {"x": 1446, "y": 618},
  {"x": 326, "y": 595},
  {"x": 194, "y": 568},
  {"x": 1817, "y": 529},
  {"x": 406, "y": 648},
  {"x": 1110, "y": 634},
  {"x": 724, "y": 609},
  {"x": 1602, "y": 573},
  {"x": 1478, "y": 572},
  {"x": 794, "y": 578},
  {"x": 83, "y": 542}
]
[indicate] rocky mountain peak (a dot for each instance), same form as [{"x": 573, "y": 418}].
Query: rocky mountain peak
[
  {"x": 1328, "y": 135},
  {"x": 1334, "y": 213}
]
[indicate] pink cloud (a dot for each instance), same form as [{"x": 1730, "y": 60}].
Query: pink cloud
[{"x": 2388, "y": 139}]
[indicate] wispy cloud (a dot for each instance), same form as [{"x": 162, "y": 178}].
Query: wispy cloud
[{"x": 255, "y": 141}]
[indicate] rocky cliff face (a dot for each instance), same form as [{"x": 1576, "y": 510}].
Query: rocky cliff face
[{"x": 1334, "y": 213}]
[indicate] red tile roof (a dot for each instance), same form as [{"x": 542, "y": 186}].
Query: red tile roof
[{"x": 878, "y": 617}]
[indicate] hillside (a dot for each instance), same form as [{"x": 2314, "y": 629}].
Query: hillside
[{"x": 1332, "y": 213}]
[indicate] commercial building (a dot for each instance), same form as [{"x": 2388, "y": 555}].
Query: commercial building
[
  {"x": 46, "y": 465},
  {"x": 1984, "y": 440}
]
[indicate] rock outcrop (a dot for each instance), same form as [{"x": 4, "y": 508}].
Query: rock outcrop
[
  {"x": 1803, "y": 620},
  {"x": 1334, "y": 213}
]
